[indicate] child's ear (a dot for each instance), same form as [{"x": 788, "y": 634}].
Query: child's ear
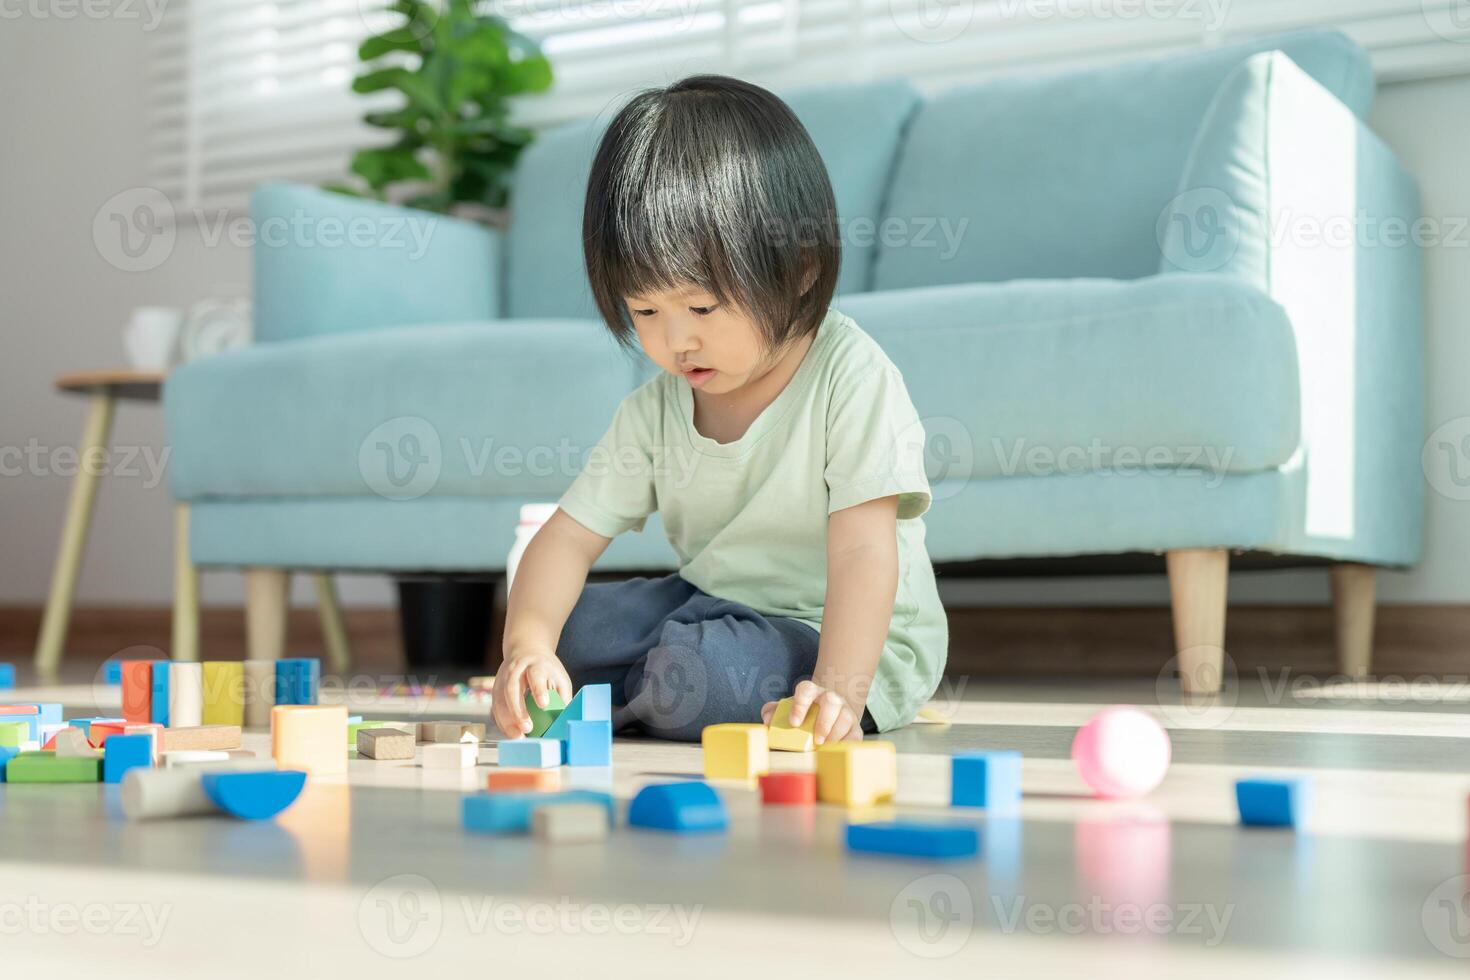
[{"x": 809, "y": 275}]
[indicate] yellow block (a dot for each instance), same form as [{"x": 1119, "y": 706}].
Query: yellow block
[
  {"x": 735, "y": 751},
  {"x": 785, "y": 738},
  {"x": 224, "y": 693},
  {"x": 309, "y": 737},
  {"x": 857, "y": 773}
]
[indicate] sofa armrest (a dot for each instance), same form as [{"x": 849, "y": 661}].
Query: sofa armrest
[
  {"x": 328, "y": 262},
  {"x": 1287, "y": 190}
]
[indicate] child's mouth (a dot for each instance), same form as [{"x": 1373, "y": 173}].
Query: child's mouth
[{"x": 698, "y": 376}]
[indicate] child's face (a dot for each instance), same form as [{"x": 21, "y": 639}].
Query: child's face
[{"x": 687, "y": 332}]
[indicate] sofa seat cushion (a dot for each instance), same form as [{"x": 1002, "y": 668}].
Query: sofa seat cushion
[
  {"x": 494, "y": 407},
  {"x": 1179, "y": 373}
]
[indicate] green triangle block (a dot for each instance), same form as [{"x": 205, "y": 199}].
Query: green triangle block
[
  {"x": 48, "y": 767},
  {"x": 544, "y": 718}
]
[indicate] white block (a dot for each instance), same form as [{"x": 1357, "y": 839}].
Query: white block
[
  {"x": 155, "y": 793},
  {"x": 193, "y": 757},
  {"x": 450, "y": 755},
  {"x": 185, "y": 695},
  {"x": 46, "y": 731},
  {"x": 570, "y": 823}
]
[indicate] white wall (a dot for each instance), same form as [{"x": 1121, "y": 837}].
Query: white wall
[{"x": 72, "y": 115}]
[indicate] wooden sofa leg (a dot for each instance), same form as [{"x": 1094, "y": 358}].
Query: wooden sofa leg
[
  {"x": 334, "y": 624},
  {"x": 267, "y": 599},
  {"x": 1353, "y": 602},
  {"x": 1197, "y": 584}
]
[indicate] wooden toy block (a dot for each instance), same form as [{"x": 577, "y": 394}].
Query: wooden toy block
[
  {"x": 589, "y": 743},
  {"x": 71, "y": 743},
  {"x": 154, "y": 733},
  {"x": 7, "y": 752},
  {"x": 148, "y": 794},
  {"x": 541, "y": 718},
  {"x": 137, "y": 690},
  {"x": 201, "y": 738},
  {"x": 684, "y": 808},
  {"x": 85, "y": 724},
  {"x": 7, "y": 676},
  {"x": 538, "y": 753},
  {"x": 159, "y": 704},
  {"x": 857, "y": 773},
  {"x": 788, "y": 788},
  {"x": 783, "y": 737},
  {"x": 911, "y": 838},
  {"x": 500, "y": 813},
  {"x": 570, "y": 823},
  {"x": 112, "y": 672},
  {"x": 193, "y": 757},
  {"x": 101, "y": 731},
  {"x": 124, "y": 752},
  {"x": 452, "y": 755},
  {"x": 13, "y": 733},
  {"x": 1273, "y": 802},
  {"x": 298, "y": 680},
  {"x": 260, "y": 692},
  {"x": 591, "y": 703},
  {"x": 735, "y": 751},
  {"x": 253, "y": 795},
  {"x": 353, "y": 727},
  {"x": 49, "y": 733},
  {"x": 29, "y": 714},
  {"x": 986, "y": 779},
  {"x": 224, "y": 693},
  {"x": 48, "y": 767},
  {"x": 523, "y": 780},
  {"x": 384, "y": 743},
  {"x": 185, "y": 695},
  {"x": 450, "y": 731},
  {"x": 309, "y": 737}
]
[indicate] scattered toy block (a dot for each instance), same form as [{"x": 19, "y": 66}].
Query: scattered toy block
[
  {"x": 309, "y": 737},
  {"x": 259, "y": 691},
  {"x": 7, "y": 752},
  {"x": 48, "y": 767},
  {"x": 193, "y": 757},
  {"x": 298, "y": 680},
  {"x": 224, "y": 693},
  {"x": 735, "y": 751},
  {"x": 159, "y": 703},
  {"x": 452, "y": 755},
  {"x": 541, "y": 718},
  {"x": 112, "y": 672},
  {"x": 1273, "y": 802},
  {"x": 784, "y": 737},
  {"x": 384, "y": 743},
  {"x": 30, "y": 714},
  {"x": 450, "y": 731},
  {"x": 154, "y": 732},
  {"x": 788, "y": 788},
  {"x": 201, "y": 738},
  {"x": 589, "y": 743},
  {"x": 13, "y": 733},
  {"x": 591, "y": 703},
  {"x": 253, "y": 795},
  {"x": 523, "y": 780},
  {"x": 124, "y": 752},
  {"x": 49, "y": 733},
  {"x": 684, "y": 808},
  {"x": 185, "y": 695},
  {"x": 540, "y": 753},
  {"x": 137, "y": 690},
  {"x": 857, "y": 773},
  {"x": 71, "y": 743},
  {"x": 910, "y": 838},
  {"x": 85, "y": 724},
  {"x": 148, "y": 794},
  {"x": 570, "y": 823},
  {"x": 500, "y": 813},
  {"x": 100, "y": 731},
  {"x": 986, "y": 779},
  {"x": 7, "y": 676},
  {"x": 353, "y": 727}
]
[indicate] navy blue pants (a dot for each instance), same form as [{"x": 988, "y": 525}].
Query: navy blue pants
[{"x": 679, "y": 659}]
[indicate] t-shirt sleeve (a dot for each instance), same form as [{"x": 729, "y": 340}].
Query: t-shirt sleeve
[
  {"x": 875, "y": 444},
  {"x": 614, "y": 492}
]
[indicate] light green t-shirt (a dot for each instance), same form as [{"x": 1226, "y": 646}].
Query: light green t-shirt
[{"x": 748, "y": 519}]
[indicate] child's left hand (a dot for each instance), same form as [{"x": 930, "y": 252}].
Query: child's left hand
[{"x": 836, "y": 720}]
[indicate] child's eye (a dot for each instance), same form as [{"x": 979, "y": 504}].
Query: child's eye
[
  {"x": 702, "y": 310},
  {"x": 642, "y": 312}
]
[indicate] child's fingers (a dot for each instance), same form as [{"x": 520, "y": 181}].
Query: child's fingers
[
  {"x": 562, "y": 682},
  {"x": 767, "y": 710},
  {"x": 537, "y": 682},
  {"x": 829, "y": 708},
  {"x": 802, "y": 697},
  {"x": 516, "y": 721}
]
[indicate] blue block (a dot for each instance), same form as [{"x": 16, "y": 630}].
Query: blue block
[
  {"x": 589, "y": 743},
  {"x": 684, "y": 808},
  {"x": 591, "y": 703},
  {"x": 85, "y": 724},
  {"x": 298, "y": 680},
  {"x": 501, "y": 813},
  {"x": 536, "y": 753},
  {"x": 159, "y": 713},
  {"x": 46, "y": 714},
  {"x": 7, "y": 675},
  {"x": 33, "y": 722},
  {"x": 1272, "y": 802},
  {"x": 7, "y": 753},
  {"x": 253, "y": 795},
  {"x": 123, "y": 752},
  {"x": 913, "y": 839},
  {"x": 986, "y": 779},
  {"x": 112, "y": 672}
]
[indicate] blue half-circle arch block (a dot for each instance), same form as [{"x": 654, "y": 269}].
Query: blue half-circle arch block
[
  {"x": 254, "y": 795},
  {"x": 685, "y": 808}
]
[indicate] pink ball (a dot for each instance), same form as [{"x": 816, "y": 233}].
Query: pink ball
[{"x": 1121, "y": 753}]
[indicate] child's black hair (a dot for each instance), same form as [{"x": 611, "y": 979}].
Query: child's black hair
[{"x": 712, "y": 181}]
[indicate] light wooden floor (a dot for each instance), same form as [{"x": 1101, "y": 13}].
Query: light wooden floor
[{"x": 371, "y": 875}]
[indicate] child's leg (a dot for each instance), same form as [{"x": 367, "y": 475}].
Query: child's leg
[{"x": 612, "y": 626}]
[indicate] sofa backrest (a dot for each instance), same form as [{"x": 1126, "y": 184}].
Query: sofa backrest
[
  {"x": 1066, "y": 175},
  {"x": 856, "y": 128}
]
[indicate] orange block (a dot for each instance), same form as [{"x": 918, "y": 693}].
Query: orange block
[
  {"x": 520, "y": 780},
  {"x": 137, "y": 691},
  {"x": 100, "y": 730},
  {"x": 310, "y": 737}
]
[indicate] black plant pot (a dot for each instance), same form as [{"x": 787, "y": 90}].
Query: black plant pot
[{"x": 446, "y": 623}]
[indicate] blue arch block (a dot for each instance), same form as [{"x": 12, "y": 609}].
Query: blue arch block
[
  {"x": 254, "y": 795},
  {"x": 684, "y": 808},
  {"x": 501, "y": 813},
  {"x": 910, "y": 838}
]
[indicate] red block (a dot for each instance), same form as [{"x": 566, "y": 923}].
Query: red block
[
  {"x": 102, "y": 729},
  {"x": 137, "y": 691},
  {"x": 789, "y": 787},
  {"x": 19, "y": 709}
]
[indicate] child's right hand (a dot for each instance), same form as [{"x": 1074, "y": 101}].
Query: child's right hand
[{"x": 522, "y": 671}]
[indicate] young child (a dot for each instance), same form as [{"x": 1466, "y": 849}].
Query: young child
[{"x": 779, "y": 447}]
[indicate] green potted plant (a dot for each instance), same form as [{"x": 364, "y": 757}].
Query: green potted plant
[{"x": 456, "y": 70}]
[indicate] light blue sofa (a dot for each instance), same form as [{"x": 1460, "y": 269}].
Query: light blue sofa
[{"x": 1103, "y": 289}]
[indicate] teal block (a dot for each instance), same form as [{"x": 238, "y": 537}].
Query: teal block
[
  {"x": 591, "y": 703},
  {"x": 500, "y": 813},
  {"x": 589, "y": 743}
]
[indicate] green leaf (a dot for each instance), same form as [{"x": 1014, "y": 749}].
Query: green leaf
[
  {"x": 381, "y": 166},
  {"x": 419, "y": 92},
  {"x": 407, "y": 38}
]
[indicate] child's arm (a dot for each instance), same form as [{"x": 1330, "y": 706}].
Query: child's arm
[
  {"x": 862, "y": 580},
  {"x": 548, "y": 583}
]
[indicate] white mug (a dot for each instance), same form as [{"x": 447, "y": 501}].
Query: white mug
[{"x": 151, "y": 337}]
